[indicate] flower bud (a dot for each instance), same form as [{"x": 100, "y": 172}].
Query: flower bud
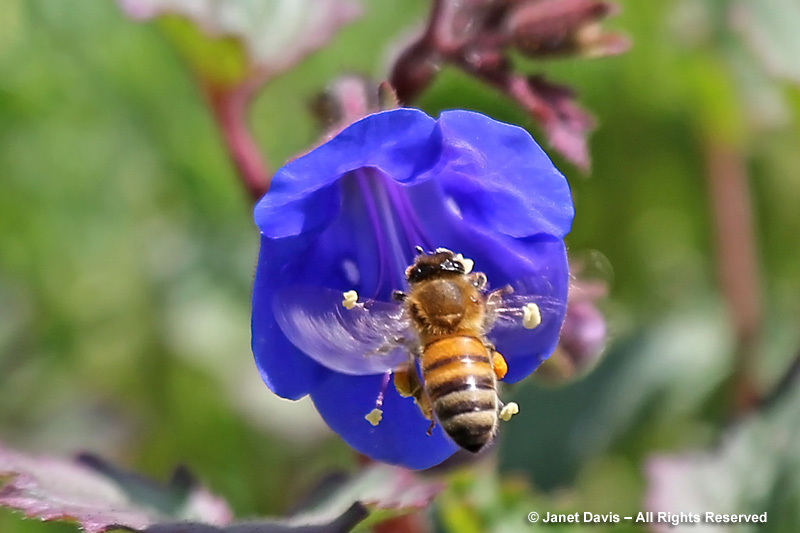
[
  {"x": 347, "y": 99},
  {"x": 552, "y": 28},
  {"x": 584, "y": 334}
]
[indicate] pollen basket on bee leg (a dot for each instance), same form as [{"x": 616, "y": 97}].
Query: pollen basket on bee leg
[{"x": 499, "y": 365}]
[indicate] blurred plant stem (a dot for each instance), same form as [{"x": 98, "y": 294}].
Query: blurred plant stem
[
  {"x": 737, "y": 263},
  {"x": 415, "y": 522},
  {"x": 783, "y": 386},
  {"x": 482, "y": 38},
  {"x": 230, "y": 107}
]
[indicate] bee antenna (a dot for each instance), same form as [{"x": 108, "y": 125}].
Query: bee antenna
[{"x": 419, "y": 250}]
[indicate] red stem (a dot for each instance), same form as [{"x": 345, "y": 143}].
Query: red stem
[
  {"x": 230, "y": 108},
  {"x": 411, "y": 523},
  {"x": 737, "y": 262},
  {"x": 417, "y": 522}
]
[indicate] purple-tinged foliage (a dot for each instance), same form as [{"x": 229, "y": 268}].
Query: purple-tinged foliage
[
  {"x": 97, "y": 496},
  {"x": 558, "y": 28},
  {"x": 348, "y": 215},
  {"x": 480, "y": 37},
  {"x": 341, "y": 524},
  {"x": 100, "y": 497}
]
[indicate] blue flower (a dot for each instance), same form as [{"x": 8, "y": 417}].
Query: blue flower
[{"x": 349, "y": 214}]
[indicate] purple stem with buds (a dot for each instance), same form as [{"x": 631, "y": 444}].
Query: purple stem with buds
[{"x": 477, "y": 36}]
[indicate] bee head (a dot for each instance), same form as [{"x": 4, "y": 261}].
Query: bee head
[{"x": 439, "y": 264}]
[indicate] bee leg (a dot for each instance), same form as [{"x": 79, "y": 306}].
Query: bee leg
[
  {"x": 391, "y": 344},
  {"x": 478, "y": 280},
  {"x": 498, "y": 294},
  {"x": 408, "y": 385},
  {"x": 406, "y": 381},
  {"x": 399, "y": 296},
  {"x": 425, "y": 407},
  {"x": 494, "y": 300}
]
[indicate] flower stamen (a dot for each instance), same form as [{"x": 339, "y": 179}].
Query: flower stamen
[
  {"x": 374, "y": 417},
  {"x": 350, "y": 299},
  {"x": 509, "y": 410},
  {"x": 531, "y": 316},
  {"x": 467, "y": 263}
]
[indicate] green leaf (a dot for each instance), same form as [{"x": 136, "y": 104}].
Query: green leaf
[{"x": 222, "y": 60}]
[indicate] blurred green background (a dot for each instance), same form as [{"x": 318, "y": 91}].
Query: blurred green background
[{"x": 127, "y": 251}]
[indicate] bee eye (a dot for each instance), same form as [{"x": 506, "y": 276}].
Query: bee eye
[
  {"x": 420, "y": 272},
  {"x": 458, "y": 266},
  {"x": 453, "y": 266}
]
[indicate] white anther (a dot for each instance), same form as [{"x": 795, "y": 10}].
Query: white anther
[
  {"x": 509, "y": 410},
  {"x": 374, "y": 417},
  {"x": 467, "y": 263},
  {"x": 350, "y": 299},
  {"x": 531, "y": 316}
]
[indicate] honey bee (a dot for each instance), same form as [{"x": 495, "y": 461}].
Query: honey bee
[{"x": 441, "y": 326}]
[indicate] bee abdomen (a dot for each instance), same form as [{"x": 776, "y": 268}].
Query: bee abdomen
[
  {"x": 460, "y": 382},
  {"x": 469, "y": 417}
]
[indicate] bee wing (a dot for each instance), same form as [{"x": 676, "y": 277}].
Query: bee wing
[
  {"x": 506, "y": 324},
  {"x": 372, "y": 338}
]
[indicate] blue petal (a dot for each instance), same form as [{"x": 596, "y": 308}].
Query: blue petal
[
  {"x": 301, "y": 197},
  {"x": 500, "y": 178},
  {"x": 400, "y": 438},
  {"x": 287, "y": 371},
  {"x": 341, "y": 256}
]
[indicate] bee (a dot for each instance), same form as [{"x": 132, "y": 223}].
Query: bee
[{"x": 434, "y": 338}]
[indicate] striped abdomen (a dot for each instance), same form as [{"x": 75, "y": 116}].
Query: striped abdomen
[{"x": 460, "y": 383}]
